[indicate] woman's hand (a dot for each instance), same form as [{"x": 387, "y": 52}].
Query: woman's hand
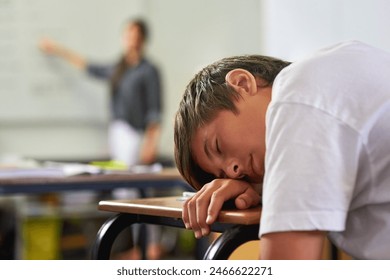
[
  {"x": 48, "y": 46},
  {"x": 200, "y": 211},
  {"x": 149, "y": 149},
  {"x": 51, "y": 47}
]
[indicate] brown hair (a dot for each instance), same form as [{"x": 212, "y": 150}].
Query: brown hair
[{"x": 206, "y": 95}]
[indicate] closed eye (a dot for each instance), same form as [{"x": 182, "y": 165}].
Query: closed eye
[{"x": 217, "y": 147}]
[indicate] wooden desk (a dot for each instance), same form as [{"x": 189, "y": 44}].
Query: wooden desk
[
  {"x": 237, "y": 226},
  {"x": 167, "y": 178}
]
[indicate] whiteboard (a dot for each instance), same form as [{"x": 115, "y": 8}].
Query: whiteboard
[{"x": 36, "y": 87}]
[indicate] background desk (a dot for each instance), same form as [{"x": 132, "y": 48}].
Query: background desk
[
  {"x": 98, "y": 182},
  {"x": 237, "y": 226},
  {"x": 73, "y": 187}
]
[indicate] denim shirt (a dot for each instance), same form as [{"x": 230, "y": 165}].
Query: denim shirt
[{"x": 137, "y": 99}]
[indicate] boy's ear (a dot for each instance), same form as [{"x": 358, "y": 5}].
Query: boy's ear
[{"x": 242, "y": 81}]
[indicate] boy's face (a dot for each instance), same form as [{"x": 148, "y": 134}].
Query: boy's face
[{"x": 233, "y": 145}]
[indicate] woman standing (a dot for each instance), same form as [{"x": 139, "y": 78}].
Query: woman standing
[
  {"x": 135, "y": 95},
  {"x": 135, "y": 107}
]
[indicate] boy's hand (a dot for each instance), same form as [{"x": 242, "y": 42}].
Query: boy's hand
[{"x": 200, "y": 211}]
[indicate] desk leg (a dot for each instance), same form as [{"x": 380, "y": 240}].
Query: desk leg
[
  {"x": 220, "y": 249},
  {"x": 110, "y": 230},
  {"x": 108, "y": 233},
  {"x": 230, "y": 240}
]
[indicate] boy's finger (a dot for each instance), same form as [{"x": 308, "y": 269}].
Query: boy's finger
[
  {"x": 185, "y": 215},
  {"x": 215, "y": 207},
  {"x": 192, "y": 216},
  {"x": 247, "y": 199},
  {"x": 191, "y": 219},
  {"x": 219, "y": 197},
  {"x": 202, "y": 204}
]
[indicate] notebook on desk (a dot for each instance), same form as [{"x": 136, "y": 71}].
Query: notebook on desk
[{"x": 63, "y": 170}]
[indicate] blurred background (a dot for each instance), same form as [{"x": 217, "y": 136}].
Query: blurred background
[{"x": 48, "y": 111}]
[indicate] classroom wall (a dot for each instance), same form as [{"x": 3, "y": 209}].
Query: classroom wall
[
  {"x": 292, "y": 29},
  {"x": 50, "y": 111},
  {"x": 47, "y": 109}
]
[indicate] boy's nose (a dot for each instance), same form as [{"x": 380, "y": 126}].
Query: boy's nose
[{"x": 234, "y": 170}]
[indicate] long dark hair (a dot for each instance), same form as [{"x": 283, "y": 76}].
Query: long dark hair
[{"x": 122, "y": 65}]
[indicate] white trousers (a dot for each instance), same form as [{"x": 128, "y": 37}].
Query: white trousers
[{"x": 124, "y": 142}]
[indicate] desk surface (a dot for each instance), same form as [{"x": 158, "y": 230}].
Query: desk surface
[
  {"x": 172, "y": 207},
  {"x": 96, "y": 182}
]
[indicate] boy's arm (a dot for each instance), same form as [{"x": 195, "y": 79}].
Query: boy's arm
[
  {"x": 304, "y": 245},
  {"x": 200, "y": 211}
]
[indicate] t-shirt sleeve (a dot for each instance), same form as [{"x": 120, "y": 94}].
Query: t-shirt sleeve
[{"x": 310, "y": 169}]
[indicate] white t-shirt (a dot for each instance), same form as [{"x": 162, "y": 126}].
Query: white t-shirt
[{"x": 327, "y": 164}]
